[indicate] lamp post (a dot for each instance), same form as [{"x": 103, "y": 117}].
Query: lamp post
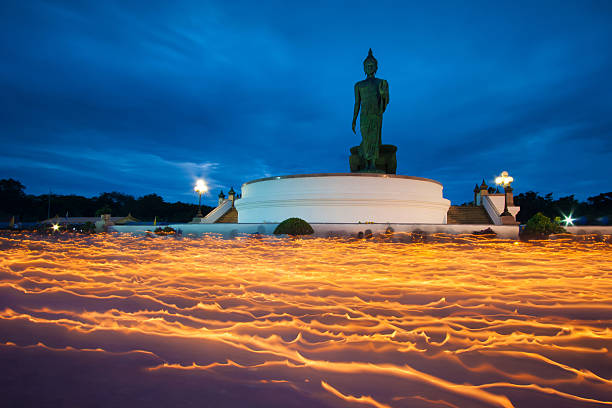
[
  {"x": 505, "y": 180},
  {"x": 200, "y": 188}
]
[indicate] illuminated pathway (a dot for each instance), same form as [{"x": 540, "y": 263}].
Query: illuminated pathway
[{"x": 165, "y": 321}]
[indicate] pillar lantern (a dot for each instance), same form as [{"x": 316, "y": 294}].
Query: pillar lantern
[
  {"x": 484, "y": 190},
  {"x": 231, "y": 195}
]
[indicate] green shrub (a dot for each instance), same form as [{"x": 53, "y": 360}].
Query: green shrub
[
  {"x": 541, "y": 225},
  {"x": 164, "y": 231},
  {"x": 89, "y": 228},
  {"x": 294, "y": 227},
  {"x": 104, "y": 210},
  {"x": 488, "y": 231}
]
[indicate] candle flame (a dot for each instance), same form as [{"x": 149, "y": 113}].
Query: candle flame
[{"x": 464, "y": 321}]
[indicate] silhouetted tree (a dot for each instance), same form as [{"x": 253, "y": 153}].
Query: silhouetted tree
[
  {"x": 597, "y": 210},
  {"x": 601, "y": 205},
  {"x": 13, "y": 201},
  {"x": 119, "y": 203},
  {"x": 149, "y": 206},
  {"x": 104, "y": 210},
  {"x": 568, "y": 206},
  {"x": 532, "y": 203},
  {"x": 12, "y": 197}
]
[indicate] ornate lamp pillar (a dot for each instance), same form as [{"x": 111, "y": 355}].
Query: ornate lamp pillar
[
  {"x": 509, "y": 196},
  {"x": 505, "y": 180},
  {"x": 221, "y": 197},
  {"x": 231, "y": 195},
  {"x": 200, "y": 188},
  {"x": 483, "y": 192}
]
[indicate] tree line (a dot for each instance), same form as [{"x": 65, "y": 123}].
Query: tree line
[
  {"x": 596, "y": 210},
  {"x": 32, "y": 208}
]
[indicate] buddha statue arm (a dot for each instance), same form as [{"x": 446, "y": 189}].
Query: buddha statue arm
[
  {"x": 384, "y": 94},
  {"x": 357, "y": 105}
]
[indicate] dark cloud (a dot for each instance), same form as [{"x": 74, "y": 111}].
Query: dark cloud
[{"x": 145, "y": 97}]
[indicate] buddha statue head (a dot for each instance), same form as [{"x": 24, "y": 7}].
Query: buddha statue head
[{"x": 370, "y": 65}]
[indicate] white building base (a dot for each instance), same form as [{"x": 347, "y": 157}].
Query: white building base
[
  {"x": 343, "y": 198},
  {"x": 229, "y": 231}
]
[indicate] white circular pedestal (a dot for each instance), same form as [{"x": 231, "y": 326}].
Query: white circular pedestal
[{"x": 343, "y": 198}]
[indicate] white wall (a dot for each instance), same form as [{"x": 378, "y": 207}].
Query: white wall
[
  {"x": 228, "y": 230},
  {"x": 590, "y": 229},
  {"x": 343, "y": 198}
]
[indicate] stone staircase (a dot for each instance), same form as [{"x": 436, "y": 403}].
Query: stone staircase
[
  {"x": 229, "y": 217},
  {"x": 467, "y": 215},
  {"x": 218, "y": 212}
]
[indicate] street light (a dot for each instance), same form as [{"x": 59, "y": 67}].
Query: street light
[
  {"x": 200, "y": 188},
  {"x": 505, "y": 180},
  {"x": 568, "y": 220}
]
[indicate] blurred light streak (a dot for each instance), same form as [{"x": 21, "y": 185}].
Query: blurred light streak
[
  {"x": 453, "y": 320},
  {"x": 361, "y": 400}
]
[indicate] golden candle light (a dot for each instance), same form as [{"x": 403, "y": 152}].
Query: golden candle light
[{"x": 464, "y": 322}]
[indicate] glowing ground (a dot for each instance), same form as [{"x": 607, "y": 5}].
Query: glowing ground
[{"x": 106, "y": 321}]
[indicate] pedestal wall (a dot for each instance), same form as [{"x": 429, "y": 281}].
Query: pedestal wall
[{"x": 343, "y": 198}]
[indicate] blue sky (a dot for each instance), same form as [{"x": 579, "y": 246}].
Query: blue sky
[{"x": 143, "y": 97}]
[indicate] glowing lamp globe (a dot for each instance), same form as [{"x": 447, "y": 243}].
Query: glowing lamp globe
[
  {"x": 504, "y": 179},
  {"x": 200, "y": 187}
]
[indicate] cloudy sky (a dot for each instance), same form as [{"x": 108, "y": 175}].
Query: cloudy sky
[{"x": 143, "y": 97}]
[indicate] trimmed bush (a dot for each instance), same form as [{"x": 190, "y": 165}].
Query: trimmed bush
[
  {"x": 417, "y": 236},
  {"x": 164, "y": 231},
  {"x": 294, "y": 227},
  {"x": 541, "y": 226},
  {"x": 488, "y": 231}
]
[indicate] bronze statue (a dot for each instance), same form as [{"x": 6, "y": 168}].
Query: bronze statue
[{"x": 371, "y": 97}]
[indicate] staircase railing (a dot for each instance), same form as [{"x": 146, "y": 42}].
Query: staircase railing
[
  {"x": 217, "y": 212},
  {"x": 495, "y": 210},
  {"x": 492, "y": 210}
]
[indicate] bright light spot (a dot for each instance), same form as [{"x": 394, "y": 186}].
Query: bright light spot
[
  {"x": 200, "y": 186},
  {"x": 504, "y": 179},
  {"x": 568, "y": 220},
  {"x": 55, "y": 227}
]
